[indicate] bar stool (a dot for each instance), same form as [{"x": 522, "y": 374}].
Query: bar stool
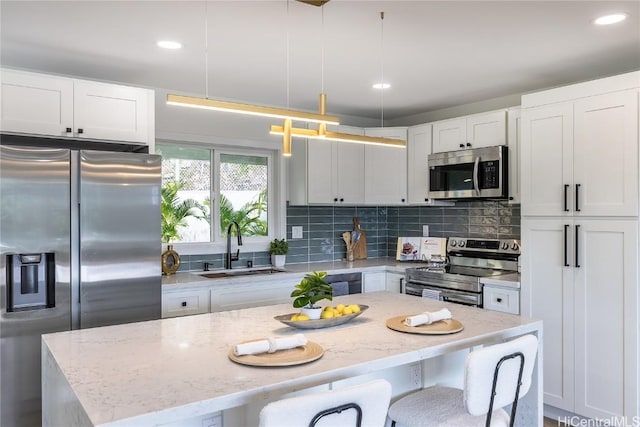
[
  {"x": 362, "y": 405},
  {"x": 494, "y": 377}
]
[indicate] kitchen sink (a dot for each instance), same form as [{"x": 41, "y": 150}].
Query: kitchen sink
[{"x": 241, "y": 272}]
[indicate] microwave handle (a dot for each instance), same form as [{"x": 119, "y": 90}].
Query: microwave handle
[{"x": 476, "y": 185}]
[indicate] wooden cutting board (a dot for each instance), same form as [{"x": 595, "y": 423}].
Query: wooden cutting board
[{"x": 360, "y": 250}]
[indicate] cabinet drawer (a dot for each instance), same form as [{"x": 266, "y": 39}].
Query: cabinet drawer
[
  {"x": 501, "y": 299},
  {"x": 183, "y": 303}
]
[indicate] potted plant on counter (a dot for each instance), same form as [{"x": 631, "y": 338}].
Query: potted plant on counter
[
  {"x": 311, "y": 289},
  {"x": 278, "y": 249}
]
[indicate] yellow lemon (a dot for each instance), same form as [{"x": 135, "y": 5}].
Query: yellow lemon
[
  {"x": 302, "y": 317},
  {"x": 346, "y": 311},
  {"x": 355, "y": 308},
  {"x": 326, "y": 314},
  {"x": 294, "y": 317},
  {"x": 327, "y": 308},
  {"x": 336, "y": 312},
  {"x": 340, "y": 307}
]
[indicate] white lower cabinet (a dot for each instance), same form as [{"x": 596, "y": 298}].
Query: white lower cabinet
[
  {"x": 255, "y": 295},
  {"x": 373, "y": 282},
  {"x": 394, "y": 282},
  {"x": 581, "y": 278},
  {"x": 497, "y": 298},
  {"x": 182, "y": 303}
]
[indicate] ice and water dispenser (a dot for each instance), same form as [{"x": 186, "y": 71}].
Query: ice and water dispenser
[{"x": 30, "y": 281}]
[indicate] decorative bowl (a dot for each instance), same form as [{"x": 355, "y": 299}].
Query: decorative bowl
[{"x": 320, "y": 323}]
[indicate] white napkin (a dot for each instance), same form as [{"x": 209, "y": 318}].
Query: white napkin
[
  {"x": 269, "y": 345},
  {"x": 427, "y": 318}
]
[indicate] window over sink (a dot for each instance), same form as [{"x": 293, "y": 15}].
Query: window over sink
[{"x": 205, "y": 185}]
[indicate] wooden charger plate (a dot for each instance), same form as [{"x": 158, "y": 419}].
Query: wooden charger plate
[
  {"x": 441, "y": 327},
  {"x": 295, "y": 356}
]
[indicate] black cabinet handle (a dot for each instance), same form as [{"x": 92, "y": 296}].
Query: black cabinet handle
[
  {"x": 402, "y": 200},
  {"x": 402, "y": 285},
  {"x": 341, "y": 199},
  {"x": 184, "y": 303},
  {"x": 566, "y": 205},
  {"x": 577, "y": 258},
  {"x": 335, "y": 199},
  {"x": 468, "y": 144},
  {"x": 80, "y": 130},
  {"x": 461, "y": 145},
  {"x": 566, "y": 232},
  {"x": 499, "y": 299},
  {"x": 68, "y": 130},
  {"x": 426, "y": 200},
  {"x": 577, "y": 200}
]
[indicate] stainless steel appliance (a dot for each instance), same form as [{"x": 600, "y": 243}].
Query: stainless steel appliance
[
  {"x": 469, "y": 260},
  {"x": 79, "y": 247},
  {"x": 478, "y": 173}
]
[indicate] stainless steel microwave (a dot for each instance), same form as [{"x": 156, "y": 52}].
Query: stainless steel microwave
[{"x": 479, "y": 173}]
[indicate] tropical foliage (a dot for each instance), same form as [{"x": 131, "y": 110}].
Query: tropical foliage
[
  {"x": 174, "y": 211},
  {"x": 250, "y": 216}
]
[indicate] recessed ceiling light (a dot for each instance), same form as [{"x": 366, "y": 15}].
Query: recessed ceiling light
[
  {"x": 381, "y": 85},
  {"x": 169, "y": 44},
  {"x": 610, "y": 19}
]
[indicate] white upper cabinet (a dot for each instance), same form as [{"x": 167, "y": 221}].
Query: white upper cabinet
[
  {"x": 111, "y": 112},
  {"x": 385, "y": 171},
  {"x": 513, "y": 142},
  {"x": 327, "y": 172},
  {"x": 546, "y": 166},
  {"x": 418, "y": 148},
  {"x": 605, "y": 155},
  {"x": 476, "y": 131},
  {"x": 580, "y": 158},
  {"x": 64, "y": 107}
]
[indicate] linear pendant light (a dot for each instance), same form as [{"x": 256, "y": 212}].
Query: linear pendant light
[
  {"x": 237, "y": 107},
  {"x": 339, "y": 136},
  {"x": 255, "y": 110}
]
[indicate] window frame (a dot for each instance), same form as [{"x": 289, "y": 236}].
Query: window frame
[{"x": 275, "y": 200}]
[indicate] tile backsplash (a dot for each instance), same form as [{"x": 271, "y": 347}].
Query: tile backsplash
[{"x": 323, "y": 227}]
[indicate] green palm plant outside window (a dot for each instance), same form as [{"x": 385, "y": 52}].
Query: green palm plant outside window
[{"x": 174, "y": 212}]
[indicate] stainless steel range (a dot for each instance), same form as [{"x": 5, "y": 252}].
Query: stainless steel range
[{"x": 468, "y": 261}]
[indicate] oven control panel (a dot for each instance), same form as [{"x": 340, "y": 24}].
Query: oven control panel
[{"x": 464, "y": 244}]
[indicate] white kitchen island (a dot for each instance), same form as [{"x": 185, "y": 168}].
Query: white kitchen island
[{"x": 174, "y": 371}]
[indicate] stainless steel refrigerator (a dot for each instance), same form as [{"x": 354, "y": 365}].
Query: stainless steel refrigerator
[{"x": 79, "y": 247}]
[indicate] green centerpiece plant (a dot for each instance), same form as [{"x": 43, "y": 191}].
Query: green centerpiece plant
[{"x": 311, "y": 289}]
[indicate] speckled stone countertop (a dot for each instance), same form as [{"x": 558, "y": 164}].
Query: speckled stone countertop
[{"x": 162, "y": 371}]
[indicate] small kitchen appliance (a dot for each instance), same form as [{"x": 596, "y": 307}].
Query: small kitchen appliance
[
  {"x": 479, "y": 173},
  {"x": 469, "y": 261}
]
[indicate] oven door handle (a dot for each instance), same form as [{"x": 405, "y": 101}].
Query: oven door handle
[
  {"x": 476, "y": 183},
  {"x": 460, "y": 298}
]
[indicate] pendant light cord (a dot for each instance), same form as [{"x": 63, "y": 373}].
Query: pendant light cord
[
  {"x": 206, "y": 50},
  {"x": 287, "y": 53},
  {"x": 322, "y": 51},
  {"x": 382, "y": 69}
]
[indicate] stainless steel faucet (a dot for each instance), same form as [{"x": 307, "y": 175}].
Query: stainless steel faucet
[{"x": 229, "y": 257}]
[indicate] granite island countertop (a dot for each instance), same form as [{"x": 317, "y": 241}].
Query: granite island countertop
[{"x": 168, "y": 370}]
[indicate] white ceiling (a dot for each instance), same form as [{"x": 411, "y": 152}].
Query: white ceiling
[{"x": 435, "y": 54}]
